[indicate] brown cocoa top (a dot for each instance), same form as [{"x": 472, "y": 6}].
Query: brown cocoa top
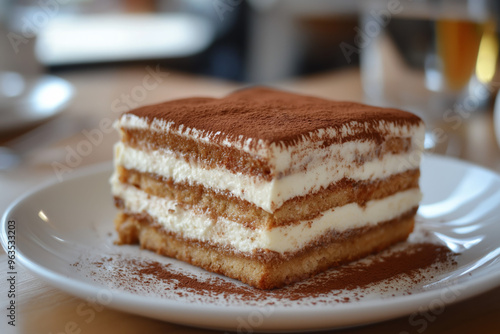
[{"x": 272, "y": 115}]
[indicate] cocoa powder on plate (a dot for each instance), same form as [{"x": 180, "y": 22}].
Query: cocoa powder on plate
[{"x": 412, "y": 264}]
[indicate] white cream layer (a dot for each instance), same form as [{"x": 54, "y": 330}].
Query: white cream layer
[
  {"x": 291, "y": 238},
  {"x": 270, "y": 195},
  {"x": 280, "y": 156}
]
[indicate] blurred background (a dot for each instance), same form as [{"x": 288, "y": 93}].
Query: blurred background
[{"x": 242, "y": 40}]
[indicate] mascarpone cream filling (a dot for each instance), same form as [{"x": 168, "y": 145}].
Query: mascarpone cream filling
[
  {"x": 279, "y": 155},
  {"x": 270, "y": 195},
  {"x": 198, "y": 226}
]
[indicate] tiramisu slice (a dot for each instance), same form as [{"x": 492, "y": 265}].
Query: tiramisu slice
[{"x": 265, "y": 186}]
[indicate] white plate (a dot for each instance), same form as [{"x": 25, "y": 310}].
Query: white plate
[{"x": 64, "y": 223}]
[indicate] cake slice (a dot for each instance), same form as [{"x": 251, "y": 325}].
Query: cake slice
[{"x": 266, "y": 186}]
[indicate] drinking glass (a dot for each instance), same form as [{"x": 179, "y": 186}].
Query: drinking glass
[{"x": 435, "y": 58}]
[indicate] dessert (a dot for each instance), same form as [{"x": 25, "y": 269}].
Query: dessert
[{"x": 265, "y": 186}]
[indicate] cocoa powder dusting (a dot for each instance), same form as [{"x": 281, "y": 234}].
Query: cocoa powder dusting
[
  {"x": 408, "y": 262},
  {"x": 273, "y": 116},
  {"x": 395, "y": 271},
  {"x": 185, "y": 282}
]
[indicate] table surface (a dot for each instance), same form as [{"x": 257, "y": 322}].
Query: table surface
[{"x": 42, "y": 308}]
